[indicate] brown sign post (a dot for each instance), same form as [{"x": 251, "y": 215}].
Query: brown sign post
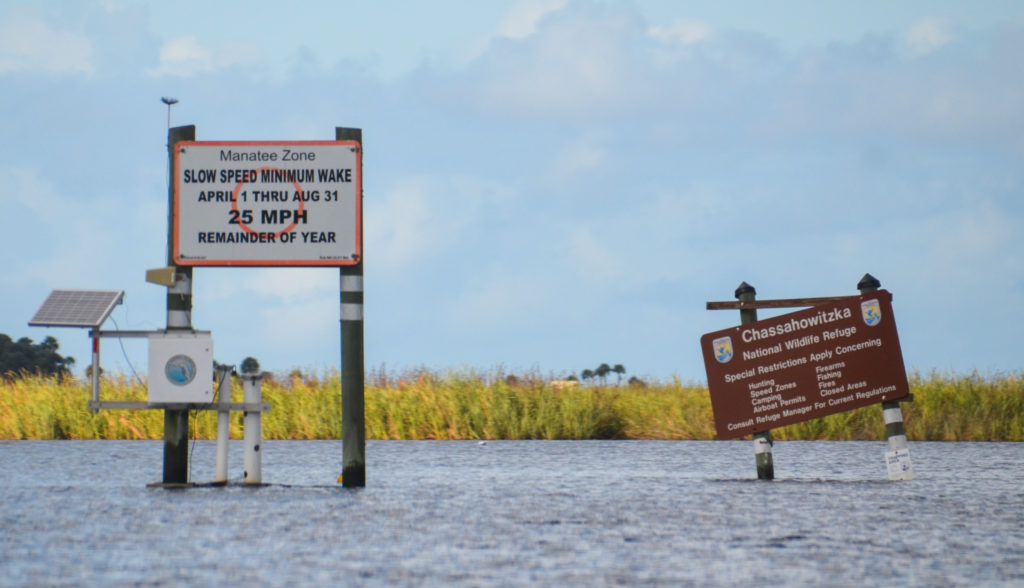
[{"x": 804, "y": 365}]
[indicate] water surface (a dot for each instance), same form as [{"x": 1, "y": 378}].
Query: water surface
[{"x": 672, "y": 513}]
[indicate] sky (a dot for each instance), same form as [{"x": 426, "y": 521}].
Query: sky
[{"x": 548, "y": 184}]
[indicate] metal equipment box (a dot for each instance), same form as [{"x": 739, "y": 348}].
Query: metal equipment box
[{"x": 181, "y": 366}]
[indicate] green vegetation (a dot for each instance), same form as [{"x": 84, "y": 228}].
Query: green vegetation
[
  {"x": 25, "y": 356},
  {"x": 466, "y": 405}
]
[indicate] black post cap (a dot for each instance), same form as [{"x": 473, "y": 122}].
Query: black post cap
[
  {"x": 745, "y": 288},
  {"x": 868, "y": 281}
]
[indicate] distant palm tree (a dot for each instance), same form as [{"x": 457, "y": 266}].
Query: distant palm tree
[
  {"x": 586, "y": 375},
  {"x": 602, "y": 371},
  {"x": 620, "y": 370}
]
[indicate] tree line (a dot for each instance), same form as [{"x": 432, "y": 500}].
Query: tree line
[
  {"x": 26, "y": 357},
  {"x": 601, "y": 373}
]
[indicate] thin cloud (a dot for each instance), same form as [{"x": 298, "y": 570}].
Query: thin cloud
[
  {"x": 579, "y": 157},
  {"x": 682, "y": 32},
  {"x": 183, "y": 57},
  {"x": 28, "y": 44},
  {"x": 401, "y": 227},
  {"x": 521, "y": 20},
  {"x": 929, "y": 35},
  {"x": 425, "y": 217},
  {"x": 186, "y": 57},
  {"x": 579, "y": 61},
  {"x": 591, "y": 256}
]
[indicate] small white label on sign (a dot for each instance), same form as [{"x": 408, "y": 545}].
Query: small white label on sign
[{"x": 898, "y": 464}]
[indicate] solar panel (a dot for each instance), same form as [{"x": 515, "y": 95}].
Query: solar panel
[{"x": 76, "y": 308}]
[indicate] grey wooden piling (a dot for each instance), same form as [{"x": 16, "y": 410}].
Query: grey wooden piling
[
  {"x": 898, "y": 457},
  {"x": 179, "y": 316},
  {"x": 252, "y": 390},
  {"x": 220, "y": 475},
  {"x": 763, "y": 440},
  {"x": 353, "y": 423}
]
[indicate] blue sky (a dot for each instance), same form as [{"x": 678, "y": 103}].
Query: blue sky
[{"x": 549, "y": 185}]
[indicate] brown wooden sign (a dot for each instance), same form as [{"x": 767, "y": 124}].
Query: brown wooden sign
[{"x": 804, "y": 365}]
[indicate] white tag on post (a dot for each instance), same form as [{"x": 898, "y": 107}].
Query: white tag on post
[{"x": 898, "y": 464}]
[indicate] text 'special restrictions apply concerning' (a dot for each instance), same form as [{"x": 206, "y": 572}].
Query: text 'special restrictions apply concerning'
[
  {"x": 251, "y": 203},
  {"x": 804, "y": 365}
]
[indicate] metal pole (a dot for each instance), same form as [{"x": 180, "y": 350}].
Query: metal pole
[
  {"x": 169, "y": 102},
  {"x": 763, "y": 440},
  {"x": 220, "y": 473},
  {"x": 252, "y": 387},
  {"x": 898, "y": 457},
  {"x": 353, "y": 423},
  {"x": 95, "y": 379},
  {"x": 179, "y": 316}
]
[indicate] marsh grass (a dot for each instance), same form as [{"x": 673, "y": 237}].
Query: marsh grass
[{"x": 465, "y": 405}]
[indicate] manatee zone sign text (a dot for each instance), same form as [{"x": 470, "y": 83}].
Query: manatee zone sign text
[
  {"x": 252, "y": 203},
  {"x": 804, "y": 365}
]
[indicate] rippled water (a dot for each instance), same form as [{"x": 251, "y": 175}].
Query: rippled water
[{"x": 516, "y": 513}]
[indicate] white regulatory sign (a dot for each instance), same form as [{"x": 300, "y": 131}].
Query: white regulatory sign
[{"x": 257, "y": 203}]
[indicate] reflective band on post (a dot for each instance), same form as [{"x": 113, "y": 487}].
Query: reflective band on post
[
  {"x": 761, "y": 445},
  {"x": 892, "y": 415},
  {"x": 351, "y": 283},
  {"x": 178, "y": 319},
  {"x": 351, "y": 311}
]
